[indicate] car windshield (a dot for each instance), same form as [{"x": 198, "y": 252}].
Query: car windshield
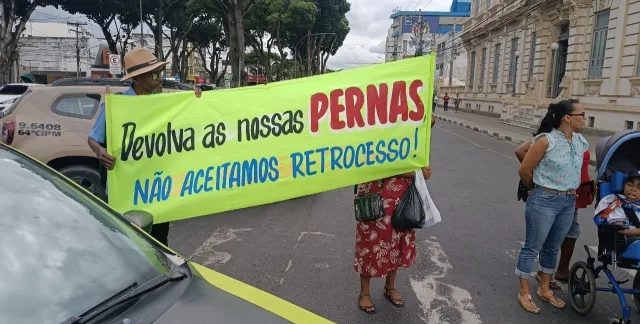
[
  {"x": 62, "y": 251},
  {"x": 13, "y": 89}
]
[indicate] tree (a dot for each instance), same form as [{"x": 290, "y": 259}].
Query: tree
[
  {"x": 233, "y": 25},
  {"x": 324, "y": 38},
  {"x": 119, "y": 15},
  {"x": 208, "y": 38},
  {"x": 13, "y": 18},
  {"x": 276, "y": 19}
]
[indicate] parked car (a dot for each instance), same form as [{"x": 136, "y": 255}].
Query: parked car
[
  {"x": 69, "y": 258},
  {"x": 11, "y": 92},
  {"x": 52, "y": 124},
  {"x": 167, "y": 86},
  {"x": 114, "y": 82}
]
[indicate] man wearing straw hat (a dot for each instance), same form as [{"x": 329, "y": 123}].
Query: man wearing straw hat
[{"x": 144, "y": 69}]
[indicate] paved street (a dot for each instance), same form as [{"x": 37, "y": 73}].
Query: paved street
[{"x": 302, "y": 249}]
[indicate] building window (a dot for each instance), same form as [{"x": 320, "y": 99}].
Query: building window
[
  {"x": 496, "y": 64},
  {"x": 598, "y": 45},
  {"x": 592, "y": 121},
  {"x": 82, "y": 106},
  {"x": 483, "y": 60},
  {"x": 488, "y": 4},
  {"x": 512, "y": 63},
  {"x": 478, "y": 5},
  {"x": 473, "y": 69},
  {"x": 532, "y": 55},
  {"x": 628, "y": 124}
]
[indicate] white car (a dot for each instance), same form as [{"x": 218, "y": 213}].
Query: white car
[{"x": 11, "y": 92}]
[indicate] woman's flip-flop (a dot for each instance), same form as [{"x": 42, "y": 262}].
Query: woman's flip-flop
[
  {"x": 552, "y": 300},
  {"x": 533, "y": 308},
  {"x": 554, "y": 285},
  {"x": 367, "y": 309},
  {"x": 396, "y": 302}
]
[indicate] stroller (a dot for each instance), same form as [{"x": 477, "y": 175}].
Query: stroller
[{"x": 616, "y": 156}]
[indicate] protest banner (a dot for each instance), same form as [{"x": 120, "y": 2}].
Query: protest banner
[{"x": 178, "y": 156}]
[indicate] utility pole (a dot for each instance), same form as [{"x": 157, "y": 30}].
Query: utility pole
[
  {"x": 77, "y": 24},
  {"x": 453, "y": 53}
]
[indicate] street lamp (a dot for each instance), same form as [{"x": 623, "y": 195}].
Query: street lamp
[{"x": 515, "y": 73}]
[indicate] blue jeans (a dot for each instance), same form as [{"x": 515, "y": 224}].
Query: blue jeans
[{"x": 548, "y": 218}]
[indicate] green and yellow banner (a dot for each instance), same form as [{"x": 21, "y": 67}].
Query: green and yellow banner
[{"x": 178, "y": 156}]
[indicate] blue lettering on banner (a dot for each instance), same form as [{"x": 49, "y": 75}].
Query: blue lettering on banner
[{"x": 236, "y": 174}]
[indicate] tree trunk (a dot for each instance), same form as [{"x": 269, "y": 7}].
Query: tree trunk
[
  {"x": 232, "y": 40},
  {"x": 240, "y": 40},
  {"x": 159, "y": 46},
  {"x": 9, "y": 36}
]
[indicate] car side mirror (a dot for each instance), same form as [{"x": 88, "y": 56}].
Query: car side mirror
[{"x": 142, "y": 219}]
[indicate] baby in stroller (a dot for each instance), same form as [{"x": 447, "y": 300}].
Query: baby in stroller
[{"x": 624, "y": 210}]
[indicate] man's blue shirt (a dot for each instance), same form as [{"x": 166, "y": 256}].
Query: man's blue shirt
[{"x": 99, "y": 130}]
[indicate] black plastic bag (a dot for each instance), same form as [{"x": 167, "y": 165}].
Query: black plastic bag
[
  {"x": 523, "y": 191},
  {"x": 409, "y": 213}
]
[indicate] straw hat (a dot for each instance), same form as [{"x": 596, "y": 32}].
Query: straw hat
[{"x": 140, "y": 61}]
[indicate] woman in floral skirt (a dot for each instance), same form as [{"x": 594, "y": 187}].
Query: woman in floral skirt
[{"x": 380, "y": 248}]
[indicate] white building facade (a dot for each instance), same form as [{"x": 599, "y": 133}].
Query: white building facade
[
  {"x": 523, "y": 55},
  {"x": 48, "y": 50}
]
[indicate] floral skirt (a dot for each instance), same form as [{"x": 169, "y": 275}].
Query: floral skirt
[{"x": 380, "y": 248}]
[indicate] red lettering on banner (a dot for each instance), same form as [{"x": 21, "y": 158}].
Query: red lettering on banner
[
  {"x": 345, "y": 107},
  {"x": 377, "y": 104},
  {"x": 354, "y": 102},
  {"x": 417, "y": 114}
]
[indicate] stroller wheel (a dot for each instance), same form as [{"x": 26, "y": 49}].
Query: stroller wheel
[
  {"x": 636, "y": 285},
  {"x": 582, "y": 288}
]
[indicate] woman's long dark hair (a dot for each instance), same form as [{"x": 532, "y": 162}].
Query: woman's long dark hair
[{"x": 555, "y": 113}]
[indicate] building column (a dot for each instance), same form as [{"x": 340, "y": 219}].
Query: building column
[
  {"x": 520, "y": 60},
  {"x": 620, "y": 15},
  {"x": 502, "y": 87},
  {"x": 578, "y": 51}
]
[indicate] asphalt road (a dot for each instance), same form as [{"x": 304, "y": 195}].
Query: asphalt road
[{"x": 302, "y": 250}]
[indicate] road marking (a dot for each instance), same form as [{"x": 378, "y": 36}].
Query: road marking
[
  {"x": 206, "y": 250},
  {"x": 290, "y": 263},
  {"x": 476, "y": 144},
  {"x": 438, "y": 300}
]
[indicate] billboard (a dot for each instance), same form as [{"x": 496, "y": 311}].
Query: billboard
[{"x": 409, "y": 21}]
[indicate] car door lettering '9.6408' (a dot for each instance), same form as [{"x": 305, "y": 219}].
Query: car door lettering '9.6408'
[{"x": 39, "y": 129}]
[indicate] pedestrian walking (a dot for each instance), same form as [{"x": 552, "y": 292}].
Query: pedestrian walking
[
  {"x": 457, "y": 101},
  {"x": 551, "y": 169},
  {"x": 380, "y": 248},
  {"x": 144, "y": 69},
  {"x": 445, "y": 99},
  {"x": 435, "y": 102},
  {"x": 585, "y": 195}
]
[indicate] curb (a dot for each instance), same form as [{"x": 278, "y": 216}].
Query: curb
[{"x": 491, "y": 133}]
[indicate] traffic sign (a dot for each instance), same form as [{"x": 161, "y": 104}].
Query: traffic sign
[{"x": 114, "y": 64}]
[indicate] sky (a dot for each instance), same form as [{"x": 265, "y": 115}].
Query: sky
[{"x": 368, "y": 19}]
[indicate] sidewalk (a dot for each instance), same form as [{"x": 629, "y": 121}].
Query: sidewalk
[{"x": 490, "y": 126}]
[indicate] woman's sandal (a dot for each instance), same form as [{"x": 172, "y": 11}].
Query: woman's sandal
[
  {"x": 533, "y": 308},
  {"x": 396, "y": 302},
  {"x": 552, "y": 300},
  {"x": 367, "y": 309},
  {"x": 554, "y": 285}
]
